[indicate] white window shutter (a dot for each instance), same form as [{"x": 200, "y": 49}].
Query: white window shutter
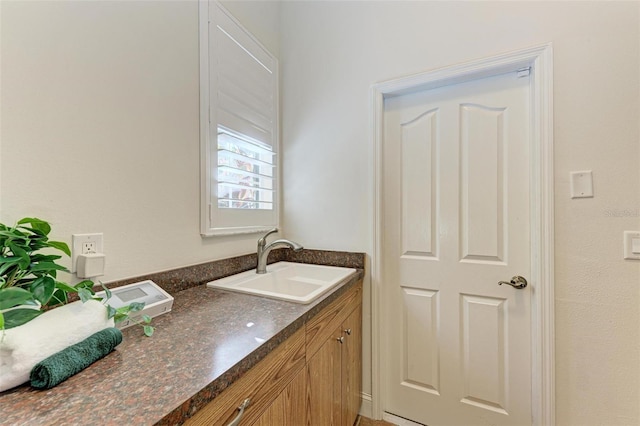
[
  {"x": 245, "y": 79},
  {"x": 239, "y": 86}
]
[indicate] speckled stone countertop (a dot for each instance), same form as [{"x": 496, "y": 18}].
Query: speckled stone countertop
[{"x": 208, "y": 340}]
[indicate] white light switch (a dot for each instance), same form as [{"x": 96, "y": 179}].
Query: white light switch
[
  {"x": 632, "y": 245},
  {"x": 582, "y": 184}
]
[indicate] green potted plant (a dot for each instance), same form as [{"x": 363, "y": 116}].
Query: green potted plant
[
  {"x": 29, "y": 284},
  {"x": 38, "y": 316}
]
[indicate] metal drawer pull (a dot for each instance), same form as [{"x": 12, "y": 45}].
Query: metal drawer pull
[
  {"x": 340, "y": 339},
  {"x": 348, "y": 331},
  {"x": 236, "y": 421}
]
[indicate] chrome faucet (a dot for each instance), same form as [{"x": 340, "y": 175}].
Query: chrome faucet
[{"x": 264, "y": 249}]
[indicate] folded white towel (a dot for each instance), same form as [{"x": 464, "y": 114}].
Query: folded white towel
[{"x": 24, "y": 346}]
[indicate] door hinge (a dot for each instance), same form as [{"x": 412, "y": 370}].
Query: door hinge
[{"x": 524, "y": 72}]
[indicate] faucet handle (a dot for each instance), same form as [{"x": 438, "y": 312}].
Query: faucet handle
[{"x": 263, "y": 240}]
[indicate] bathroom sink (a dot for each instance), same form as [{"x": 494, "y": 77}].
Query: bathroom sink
[{"x": 295, "y": 282}]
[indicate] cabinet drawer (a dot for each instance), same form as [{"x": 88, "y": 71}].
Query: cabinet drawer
[
  {"x": 262, "y": 384},
  {"x": 320, "y": 327}
]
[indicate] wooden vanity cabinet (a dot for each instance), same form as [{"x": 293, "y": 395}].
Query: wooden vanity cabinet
[{"x": 312, "y": 378}]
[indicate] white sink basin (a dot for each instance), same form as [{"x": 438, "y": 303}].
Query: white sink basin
[{"x": 295, "y": 282}]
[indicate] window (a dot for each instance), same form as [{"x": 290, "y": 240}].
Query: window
[
  {"x": 239, "y": 127},
  {"x": 245, "y": 173}
]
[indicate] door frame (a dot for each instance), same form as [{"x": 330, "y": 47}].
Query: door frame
[{"x": 539, "y": 59}]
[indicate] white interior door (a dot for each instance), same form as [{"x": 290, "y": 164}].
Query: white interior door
[{"x": 456, "y": 345}]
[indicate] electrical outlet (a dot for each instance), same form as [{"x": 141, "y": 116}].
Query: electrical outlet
[
  {"x": 89, "y": 247},
  {"x": 84, "y": 244}
]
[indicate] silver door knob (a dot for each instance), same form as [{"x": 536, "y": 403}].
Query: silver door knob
[{"x": 516, "y": 282}]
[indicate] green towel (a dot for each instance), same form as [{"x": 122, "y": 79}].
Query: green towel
[{"x": 60, "y": 366}]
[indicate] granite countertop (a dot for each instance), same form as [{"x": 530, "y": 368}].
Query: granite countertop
[{"x": 209, "y": 339}]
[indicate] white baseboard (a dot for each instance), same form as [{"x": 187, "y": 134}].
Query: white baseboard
[
  {"x": 399, "y": 420},
  {"x": 366, "y": 408}
]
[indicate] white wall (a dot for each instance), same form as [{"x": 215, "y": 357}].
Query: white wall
[
  {"x": 99, "y": 111},
  {"x": 332, "y": 52}
]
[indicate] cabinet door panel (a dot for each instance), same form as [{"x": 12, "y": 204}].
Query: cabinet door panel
[
  {"x": 289, "y": 407},
  {"x": 323, "y": 384}
]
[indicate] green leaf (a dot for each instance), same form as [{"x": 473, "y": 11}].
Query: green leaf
[
  {"x": 11, "y": 262},
  {"x": 111, "y": 311},
  {"x": 37, "y": 242},
  {"x": 86, "y": 284},
  {"x": 37, "y": 224},
  {"x": 85, "y": 294},
  {"x": 38, "y": 257},
  {"x": 13, "y": 234},
  {"x": 47, "y": 267},
  {"x": 148, "y": 330},
  {"x": 18, "y": 317},
  {"x": 136, "y": 306},
  {"x": 124, "y": 310},
  {"x": 146, "y": 319},
  {"x": 14, "y": 296},
  {"x": 22, "y": 254},
  {"x": 65, "y": 287},
  {"x": 120, "y": 316},
  {"x": 107, "y": 292},
  {"x": 9, "y": 259},
  {"x": 1, "y": 321},
  {"x": 59, "y": 297},
  {"x": 42, "y": 289},
  {"x": 60, "y": 246}
]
